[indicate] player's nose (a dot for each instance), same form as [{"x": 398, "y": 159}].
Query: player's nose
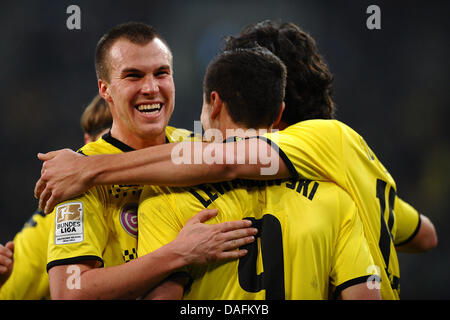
[{"x": 150, "y": 86}]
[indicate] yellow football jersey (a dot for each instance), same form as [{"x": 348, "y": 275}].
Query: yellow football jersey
[
  {"x": 29, "y": 279},
  {"x": 101, "y": 224},
  {"x": 330, "y": 150},
  {"x": 310, "y": 237}
]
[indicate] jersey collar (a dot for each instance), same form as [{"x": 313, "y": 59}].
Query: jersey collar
[{"x": 119, "y": 144}]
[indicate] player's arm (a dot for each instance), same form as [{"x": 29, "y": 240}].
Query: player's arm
[
  {"x": 197, "y": 243},
  {"x": 125, "y": 281},
  {"x": 360, "y": 291},
  {"x": 167, "y": 290},
  {"x": 66, "y": 174},
  {"x": 312, "y": 149},
  {"x": 6, "y": 261},
  {"x": 423, "y": 240},
  {"x": 415, "y": 232}
]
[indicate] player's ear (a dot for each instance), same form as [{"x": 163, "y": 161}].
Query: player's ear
[
  {"x": 87, "y": 138},
  {"x": 278, "y": 118},
  {"x": 103, "y": 90},
  {"x": 216, "y": 103}
]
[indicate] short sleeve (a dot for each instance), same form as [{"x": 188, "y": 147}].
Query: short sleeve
[
  {"x": 408, "y": 222},
  {"x": 353, "y": 263},
  {"x": 78, "y": 231}
]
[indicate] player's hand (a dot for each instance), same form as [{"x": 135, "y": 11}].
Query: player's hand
[
  {"x": 6, "y": 261},
  {"x": 61, "y": 178},
  {"x": 202, "y": 243}
]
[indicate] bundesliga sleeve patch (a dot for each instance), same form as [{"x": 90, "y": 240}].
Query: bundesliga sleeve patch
[{"x": 69, "y": 223}]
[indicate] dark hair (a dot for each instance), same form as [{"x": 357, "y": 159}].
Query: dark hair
[
  {"x": 251, "y": 82},
  {"x": 309, "y": 82},
  {"x": 135, "y": 32},
  {"x": 96, "y": 117}
]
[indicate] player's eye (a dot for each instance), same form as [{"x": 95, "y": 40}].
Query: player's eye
[
  {"x": 162, "y": 72},
  {"x": 133, "y": 75}
]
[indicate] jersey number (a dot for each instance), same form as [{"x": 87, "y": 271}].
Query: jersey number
[
  {"x": 386, "y": 226},
  {"x": 272, "y": 279}
]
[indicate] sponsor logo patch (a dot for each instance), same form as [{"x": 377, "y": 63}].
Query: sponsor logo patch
[
  {"x": 69, "y": 223},
  {"x": 129, "y": 220}
]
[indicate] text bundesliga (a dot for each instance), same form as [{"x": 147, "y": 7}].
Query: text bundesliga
[{"x": 244, "y": 309}]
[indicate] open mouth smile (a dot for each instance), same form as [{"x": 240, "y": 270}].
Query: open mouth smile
[{"x": 152, "y": 108}]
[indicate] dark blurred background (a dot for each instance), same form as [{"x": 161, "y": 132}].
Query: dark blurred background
[{"x": 391, "y": 85}]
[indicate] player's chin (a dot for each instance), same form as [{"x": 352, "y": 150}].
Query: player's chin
[
  {"x": 154, "y": 129},
  {"x": 154, "y": 126}
]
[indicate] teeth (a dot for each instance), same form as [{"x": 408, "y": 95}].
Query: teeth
[{"x": 154, "y": 107}]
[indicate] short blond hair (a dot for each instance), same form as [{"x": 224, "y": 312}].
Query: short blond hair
[{"x": 96, "y": 117}]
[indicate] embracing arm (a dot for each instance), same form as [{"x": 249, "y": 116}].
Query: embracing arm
[
  {"x": 66, "y": 174},
  {"x": 197, "y": 243},
  {"x": 125, "y": 281}
]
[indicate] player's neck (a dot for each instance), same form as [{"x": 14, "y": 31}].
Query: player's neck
[{"x": 238, "y": 130}]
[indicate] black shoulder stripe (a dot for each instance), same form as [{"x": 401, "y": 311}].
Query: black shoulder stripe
[{"x": 283, "y": 156}]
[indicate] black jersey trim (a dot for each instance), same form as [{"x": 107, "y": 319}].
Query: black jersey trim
[
  {"x": 281, "y": 153},
  {"x": 283, "y": 156},
  {"x": 73, "y": 260},
  {"x": 413, "y": 235},
  {"x": 116, "y": 143},
  {"x": 119, "y": 144},
  {"x": 353, "y": 282}
]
